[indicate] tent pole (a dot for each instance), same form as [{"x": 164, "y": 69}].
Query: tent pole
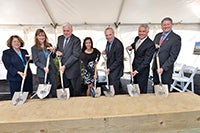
[{"x": 53, "y": 23}]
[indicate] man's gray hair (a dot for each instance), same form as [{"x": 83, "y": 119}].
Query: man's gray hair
[
  {"x": 145, "y": 26},
  {"x": 68, "y": 25},
  {"x": 109, "y": 28}
]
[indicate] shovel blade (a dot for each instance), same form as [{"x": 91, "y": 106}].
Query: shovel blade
[
  {"x": 109, "y": 91},
  {"x": 63, "y": 94},
  {"x": 19, "y": 98},
  {"x": 43, "y": 90},
  {"x": 95, "y": 92},
  {"x": 161, "y": 90},
  {"x": 133, "y": 89}
]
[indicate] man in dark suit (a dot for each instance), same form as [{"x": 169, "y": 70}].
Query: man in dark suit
[
  {"x": 69, "y": 48},
  {"x": 115, "y": 55},
  {"x": 168, "y": 46},
  {"x": 143, "y": 49}
]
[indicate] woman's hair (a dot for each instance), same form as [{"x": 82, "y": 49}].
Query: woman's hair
[
  {"x": 37, "y": 43},
  {"x": 9, "y": 41},
  {"x": 84, "y": 47}
]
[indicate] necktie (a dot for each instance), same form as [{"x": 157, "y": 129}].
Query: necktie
[
  {"x": 108, "y": 46},
  {"x": 162, "y": 39},
  {"x": 65, "y": 42},
  {"x": 138, "y": 44}
]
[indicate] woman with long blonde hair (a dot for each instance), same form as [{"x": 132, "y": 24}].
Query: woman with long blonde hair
[{"x": 40, "y": 52}]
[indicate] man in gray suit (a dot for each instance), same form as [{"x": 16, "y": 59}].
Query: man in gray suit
[
  {"x": 168, "y": 45},
  {"x": 68, "y": 48},
  {"x": 115, "y": 55}
]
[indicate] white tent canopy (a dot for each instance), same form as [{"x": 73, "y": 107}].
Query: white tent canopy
[
  {"x": 58, "y": 12},
  {"x": 90, "y": 17}
]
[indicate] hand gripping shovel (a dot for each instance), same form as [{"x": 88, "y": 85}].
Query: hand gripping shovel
[
  {"x": 62, "y": 93},
  {"x": 133, "y": 89},
  {"x": 95, "y": 91},
  {"x": 108, "y": 90},
  {"x": 20, "y": 97},
  {"x": 44, "y": 89},
  {"x": 161, "y": 89}
]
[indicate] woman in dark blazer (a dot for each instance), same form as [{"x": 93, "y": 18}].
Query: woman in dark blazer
[
  {"x": 14, "y": 61},
  {"x": 40, "y": 52}
]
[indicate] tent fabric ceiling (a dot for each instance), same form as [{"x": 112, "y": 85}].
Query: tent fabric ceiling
[{"x": 58, "y": 12}]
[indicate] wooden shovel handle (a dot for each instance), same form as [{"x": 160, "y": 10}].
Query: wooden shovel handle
[
  {"x": 158, "y": 67},
  {"x": 61, "y": 74},
  {"x": 47, "y": 65},
  {"x": 157, "y": 61},
  {"x": 24, "y": 77}
]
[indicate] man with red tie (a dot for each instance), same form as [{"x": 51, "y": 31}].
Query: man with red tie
[{"x": 168, "y": 45}]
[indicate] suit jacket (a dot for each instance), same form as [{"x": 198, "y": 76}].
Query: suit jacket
[
  {"x": 143, "y": 55},
  {"x": 168, "y": 53},
  {"x": 115, "y": 59},
  {"x": 40, "y": 61},
  {"x": 13, "y": 64},
  {"x": 71, "y": 55}
]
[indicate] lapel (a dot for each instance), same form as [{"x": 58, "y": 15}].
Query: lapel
[
  {"x": 17, "y": 56},
  {"x": 43, "y": 56},
  {"x": 141, "y": 45},
  {"x": 62, "y": 41},
  {"x": 166, "y": 39},
  {"x": 69, "y": 45},
  {"x": 112, "y": 48}
]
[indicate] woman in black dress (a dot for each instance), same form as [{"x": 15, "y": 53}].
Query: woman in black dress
[{"x": 89, "y": 57}]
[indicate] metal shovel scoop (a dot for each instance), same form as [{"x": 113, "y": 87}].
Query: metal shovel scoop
[
  {"x": 62, "y": 93},
  {"x": 44, "y": 89},
  {"x": 133, "y": 89},
  {"x": 95, "y": 91},
  {"x": 20, "y": 97},
  {"x": 108, "y": 90},
  {"x": 161, "y": 89}
]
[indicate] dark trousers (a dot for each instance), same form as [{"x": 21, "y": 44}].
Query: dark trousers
[
  {"x": 74, "y": 85},
  {"x": 142, "y": 80},
  {"x": 15, "y": 86},
  {"x": 116, "y": 83}
]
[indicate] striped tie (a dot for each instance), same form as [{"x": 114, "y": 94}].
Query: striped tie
[
  {"x": 162, "y": 39},
  {"x": 138, "y": 44}
]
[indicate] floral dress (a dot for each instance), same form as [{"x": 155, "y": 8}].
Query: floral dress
[{"x": 89, "y": 61}]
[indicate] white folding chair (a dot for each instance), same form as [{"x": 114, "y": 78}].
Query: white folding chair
[
  {"x": 178, "y": 70},
  {"x": 181, "y": 82}
]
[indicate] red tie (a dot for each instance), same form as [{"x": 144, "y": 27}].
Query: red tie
[{"x": 162, "y": 39}]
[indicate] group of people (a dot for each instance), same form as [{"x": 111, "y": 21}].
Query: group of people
[{"x": 166, "y": 45}]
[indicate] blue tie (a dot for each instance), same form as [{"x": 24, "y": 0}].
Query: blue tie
[
  {"x": 108, "y": 46},
  {"x": 65, "y": 42}
]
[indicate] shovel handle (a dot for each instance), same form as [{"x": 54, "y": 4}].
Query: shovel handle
[
  {"x": 95, "y": 74},
  {"x": 47, "y": 65},
  {"x": 130, "y": 65},
  {"x": 158, "y": 67},
  {"x": 61, "y": 74},
  {"x": 24, "y": 77},
  {"x": 105, "y": 59}
]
